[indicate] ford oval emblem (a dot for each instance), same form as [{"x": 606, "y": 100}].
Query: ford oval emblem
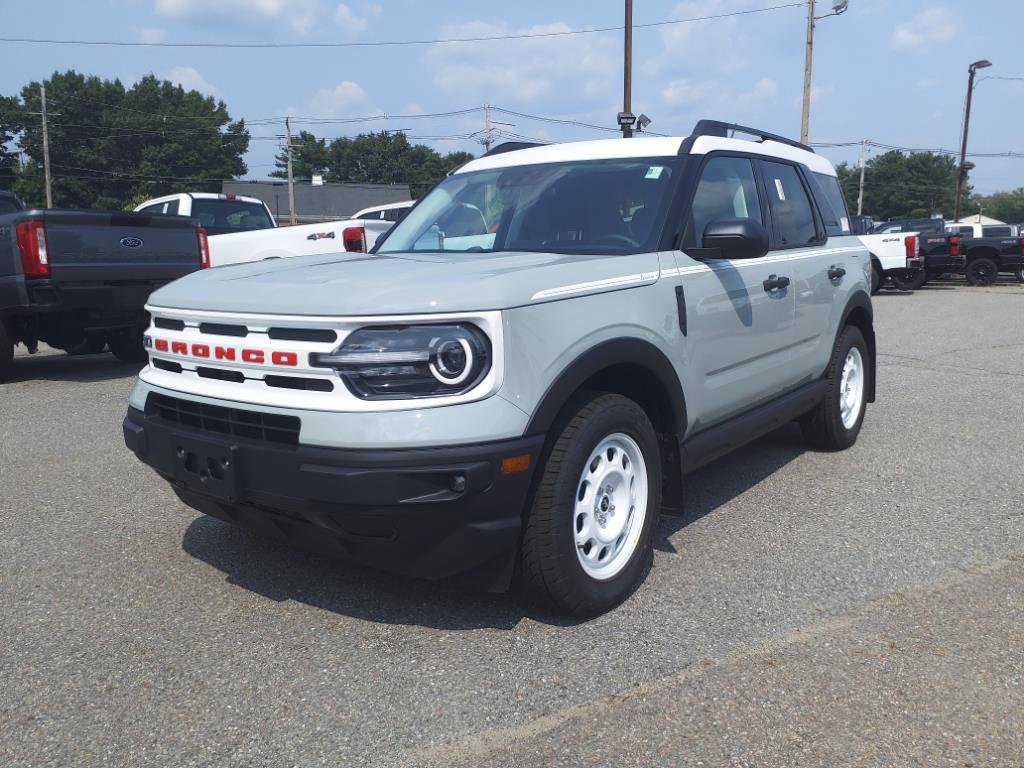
[{"x": 131, "y": 242}]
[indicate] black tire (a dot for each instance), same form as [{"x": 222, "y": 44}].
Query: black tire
[
  {"x": 824, "y": 427},
  {"x": 982, "y": 271},
  {"x": 550, "y": 570},
  {"x": 91, "y": 345},
  {"x": 909, "y": 279},
  {"x": 876, "y": 278},
  {"x": 6, "y": 353},
  {"x": 127, "y": 347}
]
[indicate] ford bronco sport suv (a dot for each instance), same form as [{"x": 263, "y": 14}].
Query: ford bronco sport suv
[{"x": 511, "y": 402}]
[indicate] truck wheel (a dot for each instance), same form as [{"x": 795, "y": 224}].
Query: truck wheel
[
  {"x": 982, "y": 271},
  {"x": 127, "y": 347},
  {"x": 6, "y": 353},
  {"x": 90, "y": 345},
  {"x": 588, "y": 538},
  {"x": 876, "y": 278},
  {"x": 835, "y": 423},
  {"x": 909, "y": 279}
]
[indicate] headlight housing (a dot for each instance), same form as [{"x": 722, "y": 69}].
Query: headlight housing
[{"x": 410, "y": 361}]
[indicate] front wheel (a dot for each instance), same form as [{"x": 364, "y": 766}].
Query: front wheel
[
  {"x": 127, "y": 347},
  {"x": 835, "y": 423},
  {"x": 588, "y": 539},
  {"x": 876, "y": 278},
  {"x": 982, "y": 271}
]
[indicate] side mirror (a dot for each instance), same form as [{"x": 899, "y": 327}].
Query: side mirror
[{"x": 736, "y": 238}]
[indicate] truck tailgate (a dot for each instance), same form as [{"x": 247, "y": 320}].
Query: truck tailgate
[{"x": 98, "y": 246}]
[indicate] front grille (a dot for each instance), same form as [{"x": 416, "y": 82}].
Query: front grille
[
  {"x": 303, "y": 334},
  {"x": 166, "y": 365},
  {"x": 252, "y": 425},
  {"x": 223, "y": 329},
  {"x": 220, "y": 374},
  {"x": 169, "y": 324}
]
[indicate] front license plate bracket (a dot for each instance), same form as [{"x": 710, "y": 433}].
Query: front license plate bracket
[{"x": 207, "y": 467}]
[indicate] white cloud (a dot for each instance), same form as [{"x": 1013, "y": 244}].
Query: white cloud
[
  {"x": 346, "y": 99},
  {"x": 930, "y": 27},
  {"x": 351, "y": 21},
  {"x": 190, "y": 79},
  {"x": 686, "y": 92},
  {"x": 152, "y": 35},
  {"x": 524, "y": 71},
  {"x": 715, "y": 45},
  {"x": 300, "y": 15}
]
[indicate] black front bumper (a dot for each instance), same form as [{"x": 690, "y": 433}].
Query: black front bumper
[{"x": 431, "y": 513}]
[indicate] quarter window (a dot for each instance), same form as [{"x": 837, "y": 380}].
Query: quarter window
[
  {"x": 792, "y": 215},
  {"x": 726, "y": 190}
]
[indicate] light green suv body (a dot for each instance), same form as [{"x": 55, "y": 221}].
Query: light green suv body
[{"x": 550, "y": 338}]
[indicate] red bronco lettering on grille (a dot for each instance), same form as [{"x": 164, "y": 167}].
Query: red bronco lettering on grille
[{"x": 230, "y": 354}]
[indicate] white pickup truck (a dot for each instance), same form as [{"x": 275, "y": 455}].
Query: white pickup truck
[
  {"x": 894, "y": 256},
  {"x": 238, "y": 234}
]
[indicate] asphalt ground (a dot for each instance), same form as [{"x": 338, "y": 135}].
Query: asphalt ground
[{"x": 861, "y": 608}]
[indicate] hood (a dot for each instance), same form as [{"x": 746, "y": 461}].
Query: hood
[{"x": 398, "y": 284}]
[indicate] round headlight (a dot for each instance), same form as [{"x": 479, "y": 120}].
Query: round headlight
[{"x": 450, "y": 363}]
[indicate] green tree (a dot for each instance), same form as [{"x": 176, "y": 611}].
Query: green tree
[
  {"x": 900, "y": 185},
  {"x": 8, "y": 127},
  {"x": 1005, "y": 206},
  {"x": 110, "y": 144},
  {"x": 369, "y": 158}
]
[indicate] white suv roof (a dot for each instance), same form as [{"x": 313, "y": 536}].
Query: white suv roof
[
  {"x": 646, "y": 146},
  {"x": 386, "y": 207}
]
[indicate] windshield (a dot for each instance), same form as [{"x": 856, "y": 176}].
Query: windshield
[
  {"x": 218, "y": 217},
  {"x": 594, "y": 206}
]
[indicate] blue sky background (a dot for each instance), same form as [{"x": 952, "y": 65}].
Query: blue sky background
[{"x": 893, "y": 71}]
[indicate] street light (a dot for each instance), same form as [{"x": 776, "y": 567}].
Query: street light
[
  {"x": 961, "y": 176},
  {"x": 838, "y": 7}
]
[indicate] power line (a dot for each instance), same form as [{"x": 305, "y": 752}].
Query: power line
[{"x": 380, "y": 43}]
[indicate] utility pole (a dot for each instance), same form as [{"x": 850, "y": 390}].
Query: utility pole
[
  {"x": 291, "y": 178},
  {"x": 805, "y": 115},
  {"x": 488, "y": 138},
  {"x": 626, "y": 118},
  {"x": 46, "y": 149},
  {"x": 961, "y": 176},
  {"x": 863, "y": 164}
]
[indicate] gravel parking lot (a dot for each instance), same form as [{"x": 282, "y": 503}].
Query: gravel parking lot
[{"x": 808, "y": 609}]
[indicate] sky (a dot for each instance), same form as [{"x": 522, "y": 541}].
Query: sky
[{"x": 892, "y": 71}]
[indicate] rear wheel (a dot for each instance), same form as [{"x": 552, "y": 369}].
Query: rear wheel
[
  {"x": 876, "y": 278},
  {"x": 909, "y": 279},
  {"x": 6, "y": 353},
  {"x": 127, "y": 347},
  {"x": 588, "y": 539},
  {"x": 982, "y": 271},
  {"x": 835, "y": 423}
]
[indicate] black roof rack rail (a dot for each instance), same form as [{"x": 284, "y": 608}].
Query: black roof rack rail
[
  {"x": 718, "y": 128},
  {"x": 512, "y": 146}
]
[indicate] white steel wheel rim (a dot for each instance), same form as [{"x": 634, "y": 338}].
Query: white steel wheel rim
[
  {"x": 851, "y": 388},
  {"x": 610, "y": 507}
]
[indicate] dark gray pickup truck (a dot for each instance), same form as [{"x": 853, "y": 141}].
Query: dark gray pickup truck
[{"x": 79, "y": 280}]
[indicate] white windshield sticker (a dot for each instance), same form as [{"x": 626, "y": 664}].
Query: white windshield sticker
[
  {"x": 845, "y": 224},
  {"x": 654, "y": 172},
  {"x": 778, "y": 188}
]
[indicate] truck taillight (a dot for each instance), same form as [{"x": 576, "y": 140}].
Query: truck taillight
[
  {"x": 204, "y": 248},
  {"x": 35, "y": 255},
  {"x": 1022, "y": 246},
  {"x": 354, "y": 239},
  {"x": 954, "y": 245},
  {"x": 910, "y": 243}
]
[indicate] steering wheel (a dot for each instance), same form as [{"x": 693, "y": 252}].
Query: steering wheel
[{"x": 613, "y": 239}]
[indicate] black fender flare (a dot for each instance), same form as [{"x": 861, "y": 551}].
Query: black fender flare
[
  {"x": 862, "y": 301},
  {"x": 600, "y": 357}
]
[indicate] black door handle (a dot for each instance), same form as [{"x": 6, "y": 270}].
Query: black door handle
[
  {"x": 774, "y": 282},
  {"x": 835, "y": 272}
]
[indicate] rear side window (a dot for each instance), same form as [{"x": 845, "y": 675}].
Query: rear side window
[
  {"x": 726, "y": 190},
  {"x": 7, "y": 205},
  {"x": 997, "y": 231},
  {"x": 394, "y": 214},
  {"x": 792, "y": 214},
  {"x": 172, "y": 208},
  {"x": 158, "y": 208},
  {"x": 832, "y": 205},
  {"x": 220, "y": 217}
]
